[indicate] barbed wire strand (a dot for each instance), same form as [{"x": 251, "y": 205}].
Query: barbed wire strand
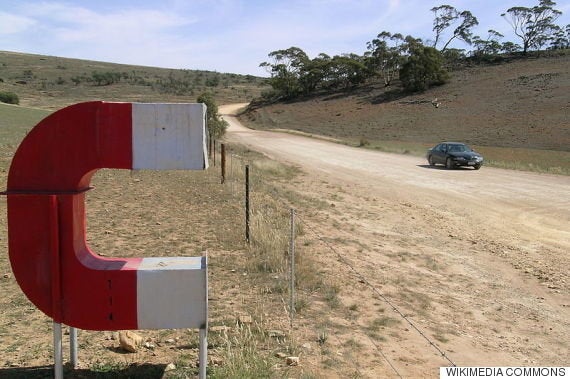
[
  {"x": 376, "y": 291},
  {"x": 336, "y": 337},
  {"x": 353, "y": 361},
  {"x": 383, "y": 356},
  {"x": 378, "y": 348}
]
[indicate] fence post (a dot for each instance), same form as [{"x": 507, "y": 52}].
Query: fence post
[
  {"x": 232, "y": 173},
  {"x": 223, "y": 163},
  {"x": 247, "y": 203},
  {"x": 210, "y": 146},
  {"x": 292, "y": 275},
  {"x": 214, "y": 153},
  {"x": 73, "y": 346}
]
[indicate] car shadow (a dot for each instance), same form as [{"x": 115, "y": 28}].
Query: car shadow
[{"x": 445, "y": 169}]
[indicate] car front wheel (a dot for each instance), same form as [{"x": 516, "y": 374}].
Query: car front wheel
[
  {"x": 430, "y": 160},
  {"x": 477, "y": 166},
  {"x": 449, "y": 164}
]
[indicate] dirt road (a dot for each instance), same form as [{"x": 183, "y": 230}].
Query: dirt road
[{"x": 478, "y": 259}]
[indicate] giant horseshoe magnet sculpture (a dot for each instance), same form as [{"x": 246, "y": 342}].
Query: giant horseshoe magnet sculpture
[{"x": 48, "y": 178}]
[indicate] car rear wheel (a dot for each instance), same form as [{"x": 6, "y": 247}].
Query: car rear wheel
[
  {"x": 449, "y": 164},
  {"x": 430, "y": 160}
]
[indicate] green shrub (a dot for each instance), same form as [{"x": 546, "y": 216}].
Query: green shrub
[
  {"x": 216, "y": 124},
  {"x": 423, "y": 70},
  {"x": 9, "y": 98},
  {"x": 105, "y": 78}
]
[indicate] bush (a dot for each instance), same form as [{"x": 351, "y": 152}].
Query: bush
[
  {"x": 270, "y": 95},
  {"x": 216, "y": 125},
  {"x": 106, "y": 78},
  {"x": 9, "y": 98},
  {"x": 423, "y": 69}
]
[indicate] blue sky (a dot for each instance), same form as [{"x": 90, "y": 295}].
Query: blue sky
[{"x": 225, "y": 35}]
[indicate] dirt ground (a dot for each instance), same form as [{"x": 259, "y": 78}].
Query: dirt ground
[
  {"x": 476, "y": 261},
  {"x": 427, "y": 261}
]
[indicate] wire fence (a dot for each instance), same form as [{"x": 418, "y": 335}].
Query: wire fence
[{"x": 270, "y": 226}]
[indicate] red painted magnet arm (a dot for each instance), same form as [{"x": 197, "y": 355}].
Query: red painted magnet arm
[
  {"x": 49, "y": 173},
  {"x": 62, "y": 152}
]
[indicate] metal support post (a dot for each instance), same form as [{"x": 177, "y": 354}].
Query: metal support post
[
  {"x": 203, "y": 353},
  {"x": 73, "y": 346},
  {"x": 57, "y": 351}
]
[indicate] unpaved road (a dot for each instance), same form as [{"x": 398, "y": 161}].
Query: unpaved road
[{"x": 478, "y": 259}]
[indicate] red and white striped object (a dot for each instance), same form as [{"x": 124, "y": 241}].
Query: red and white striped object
[{"x": 48, "y": 178}]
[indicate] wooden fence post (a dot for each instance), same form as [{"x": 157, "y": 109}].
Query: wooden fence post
[
  {"x": 292, "y": 276},
  {"x": 247, "y": 236},
  {"x": 210, "y": 147},
  {"x": 223, "y": 163}
]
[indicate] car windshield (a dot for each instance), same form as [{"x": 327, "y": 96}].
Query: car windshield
[{"x": 458, "y": 148}]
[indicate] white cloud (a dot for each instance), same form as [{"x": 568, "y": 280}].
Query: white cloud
[
  {"x": 76, "y": 24},
  {"x": 145, "y": 36},
  {"x": 12, "y": 24}
]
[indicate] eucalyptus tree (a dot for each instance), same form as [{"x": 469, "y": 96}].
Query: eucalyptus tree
[
  {"x": 423, "y": 69},
  {"x": 534, "y": 26},
  {"x": 315, "y": 73},
  {"x": 561, "y": 38},
  {"x": 385, "y": 55},
  {"x": 347, "y": 70},
  {"x": 446, "y": 17},
  {"x": 489, "y": 46},
  {"x": 510, "y": 47},
  {"x": 286, "y": 69}
]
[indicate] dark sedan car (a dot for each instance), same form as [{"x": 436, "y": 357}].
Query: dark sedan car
[{"x": 454, "y": 154}]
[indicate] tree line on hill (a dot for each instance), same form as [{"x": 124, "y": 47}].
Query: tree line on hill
[
  {"x": 170, "y": 84},
  {"x": 418, "y": 64}
]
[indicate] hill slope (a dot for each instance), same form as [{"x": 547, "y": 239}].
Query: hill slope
[
  {"x": 521, "y": 104},
  {"x": 52, "y": 82}
]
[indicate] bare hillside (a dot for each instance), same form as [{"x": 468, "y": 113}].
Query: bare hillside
[{"x": 521, "y": 104}]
